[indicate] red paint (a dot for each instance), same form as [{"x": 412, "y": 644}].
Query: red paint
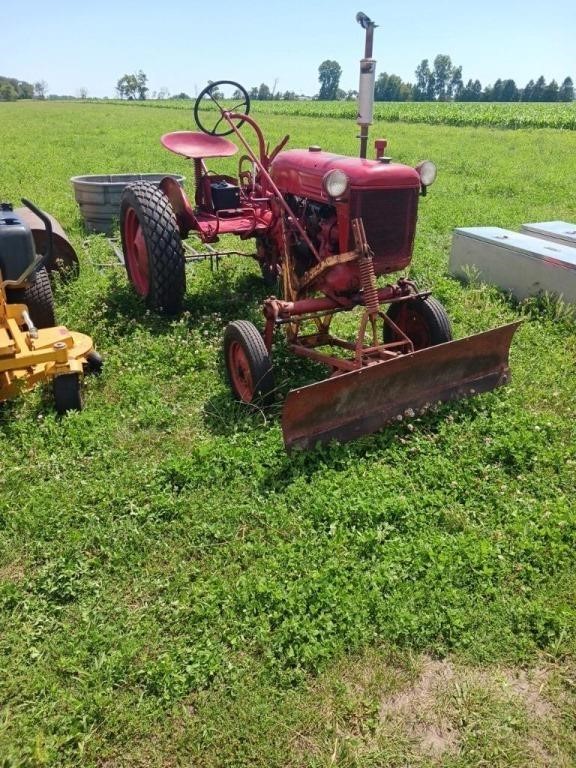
[
  {"x": 380, "y": 147},
  {"x": 252, "y": 219},
  {"x": 240, "y": 373},
  {"x": 300, "y": 172},
  {"x": 136, "y": 253},
  {"x": 192, "y": 144},
  {"x": 180, "y": 205},
  {"x": 294, "y": 309}
]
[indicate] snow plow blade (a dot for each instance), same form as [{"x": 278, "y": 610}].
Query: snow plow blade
[{"x": 353, "y": 404}]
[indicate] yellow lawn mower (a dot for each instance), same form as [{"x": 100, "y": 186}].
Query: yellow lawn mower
[{"x": 32, "y": 348}]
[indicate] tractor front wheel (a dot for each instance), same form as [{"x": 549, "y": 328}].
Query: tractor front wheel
[
  {"x": 424, "y": 321},
  {"x": 248, "y": 363},
  {"x": 38, "y": 298},
  {"x": 68, "y": 393},
  {"x": 152, "y": 247}
]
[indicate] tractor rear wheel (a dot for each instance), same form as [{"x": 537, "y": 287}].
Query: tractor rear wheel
[
  {"x": 248, "y": 363},
  {"x": 152, "y": 247},
  {"x": 38, "y": 298},
  {"x": 424, "y": 321},
  {"x": 68, "y": 393}
]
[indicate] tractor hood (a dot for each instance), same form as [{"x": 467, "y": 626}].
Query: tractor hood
[{"x": 300, "y": 172}]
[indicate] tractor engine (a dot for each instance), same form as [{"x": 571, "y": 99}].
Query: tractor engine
[
  {"x": 326, "y": 191},
  {"x": 320, "y": 221}
]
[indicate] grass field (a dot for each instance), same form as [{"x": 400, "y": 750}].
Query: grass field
[{"x": 176, "y": 590}]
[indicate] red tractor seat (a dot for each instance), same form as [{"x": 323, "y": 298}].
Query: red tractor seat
[{"x": 196, "y": 145}]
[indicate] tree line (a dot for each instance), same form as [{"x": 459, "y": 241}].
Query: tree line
[
  {"x": 439, "y": 81},
  {"x": 12, "y": 89},
  {"x": 443, "y": 82}
]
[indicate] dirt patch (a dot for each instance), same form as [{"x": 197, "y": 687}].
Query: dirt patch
[
  {"x": 432, "y": 711},
  {"x": 12, "y": 572},
  {"x": 530, "y": 686},
  {"x": 416, "y": 710},
  {"x": 447, "y": 702}
]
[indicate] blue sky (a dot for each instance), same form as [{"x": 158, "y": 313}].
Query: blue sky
[{"x": 181, "y": 45}]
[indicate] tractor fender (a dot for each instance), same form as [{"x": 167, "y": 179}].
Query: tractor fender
[
  {"x": 64, "y": 258},
  {"x": 180, "y": 205}
]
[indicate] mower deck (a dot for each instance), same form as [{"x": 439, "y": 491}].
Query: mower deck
[{"x": 26, "y": 359}]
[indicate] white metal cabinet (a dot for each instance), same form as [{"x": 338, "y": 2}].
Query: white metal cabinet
[
  {"x": 558, "y": 231},
  {"x": 515, "y": 262}
]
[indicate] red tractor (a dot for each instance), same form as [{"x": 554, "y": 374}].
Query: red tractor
[{"x": 326, "y": 227}]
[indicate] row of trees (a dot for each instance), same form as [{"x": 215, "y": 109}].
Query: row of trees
[
  {"x": 440, "y": 82},
  {"x": 443, "y": 82},
  {"x": 12, "y": 89},
  {"x": 506, "y": 90},
  {"x": 263, "y": 93}
]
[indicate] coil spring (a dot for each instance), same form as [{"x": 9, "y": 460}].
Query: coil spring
[
  {"x": 369, "y": 288},
  {"x": 197, "y": 180}
]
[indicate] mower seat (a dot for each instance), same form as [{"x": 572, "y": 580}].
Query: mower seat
[{"x": 196, "y": 146}]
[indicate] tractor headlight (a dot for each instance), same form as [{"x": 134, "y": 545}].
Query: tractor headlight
[
  {"x": 427, "y": 172},
  {"x": 336, "y": 183}
]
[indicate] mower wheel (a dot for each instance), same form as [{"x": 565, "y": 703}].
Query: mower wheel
[
  {"x": 68, "y": 393},
  {"x": 152, "y": 247},
  {"x": 94, "y": 363},
  {"x": 424, "y": 321},
  {"x": 248, "y": 363},
  {"x": 38, "y": 298}
]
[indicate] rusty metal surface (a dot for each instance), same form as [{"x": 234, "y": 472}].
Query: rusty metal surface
[
  {"x": 357, "y": 403},
  {"x": 64, "y": 258}
]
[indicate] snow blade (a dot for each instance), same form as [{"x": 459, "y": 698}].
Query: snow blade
[{"x": 353, "y": 404}]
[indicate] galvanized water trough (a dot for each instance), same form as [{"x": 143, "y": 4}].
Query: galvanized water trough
[{"x": 99, "y": 196}]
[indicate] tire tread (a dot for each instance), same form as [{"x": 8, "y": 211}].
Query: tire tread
[
  {"x": 163, "y": 242},
  {"x": 248, "y": 336},
  {"x": 38, "y": 297}
]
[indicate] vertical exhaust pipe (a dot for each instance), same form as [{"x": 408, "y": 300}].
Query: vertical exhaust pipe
[{"x": 367, "y": 79}]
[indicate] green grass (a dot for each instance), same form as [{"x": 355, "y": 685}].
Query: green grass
[{"x": 176, "y": 590}]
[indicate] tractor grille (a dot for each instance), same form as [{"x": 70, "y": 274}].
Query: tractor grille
[{"x": 389, "y": 218}]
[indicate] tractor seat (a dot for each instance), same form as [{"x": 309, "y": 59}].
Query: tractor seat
[{"x": 195, "y": 145}]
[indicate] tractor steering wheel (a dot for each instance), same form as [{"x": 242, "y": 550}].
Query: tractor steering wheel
[{"x": 208, "y": 102}]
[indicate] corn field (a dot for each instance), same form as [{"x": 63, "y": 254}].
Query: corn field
[{"x": 475, "y": 114}]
